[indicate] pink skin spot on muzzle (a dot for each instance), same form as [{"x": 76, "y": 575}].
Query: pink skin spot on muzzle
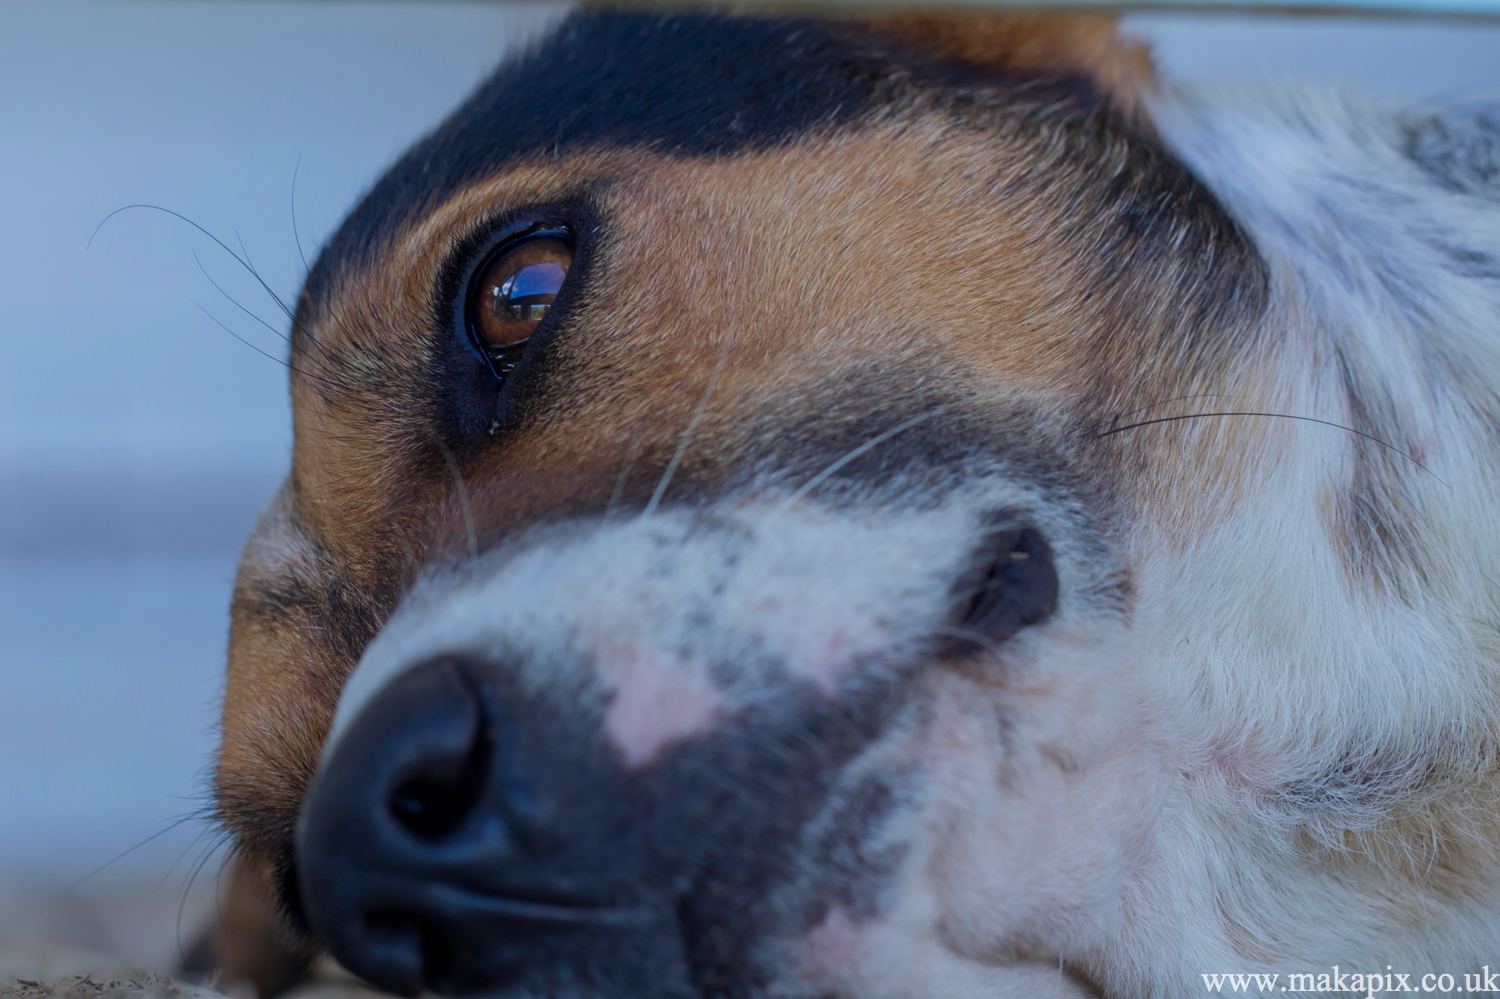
[
  {"x": 833, "y": 948},
  {"x": 655, "y": 706}
]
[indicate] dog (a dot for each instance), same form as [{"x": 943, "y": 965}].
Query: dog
[{"x": 885, "y": 507}]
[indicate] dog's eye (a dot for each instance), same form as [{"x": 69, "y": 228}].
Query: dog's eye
[{"x": 513, "y": 291}]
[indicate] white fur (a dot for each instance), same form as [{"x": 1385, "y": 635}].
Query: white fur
[{"x": 1261, "y": 659}]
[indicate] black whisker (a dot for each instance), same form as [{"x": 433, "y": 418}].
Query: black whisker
[
  {"x": 223, "y": 246},
  {"x": 173, "y": 824},
  {"x": 1279, "y": 416},
  {"x": 306, "y": 270},
  {"x": 244, "y": 253},
  {"x": 314, "y": 344},
  {"x": 1162, "y": 402},
  {"x": 286, "y": 364},
  {"x": 203, "y": 860},
  {"x": 237, "y": 304}
]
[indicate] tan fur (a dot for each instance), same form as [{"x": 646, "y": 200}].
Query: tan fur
[{"x": 1087, "y": 45}]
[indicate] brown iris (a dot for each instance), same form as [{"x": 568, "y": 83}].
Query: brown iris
[{"x": 513, "y": 293}]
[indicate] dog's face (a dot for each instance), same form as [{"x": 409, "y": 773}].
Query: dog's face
[{"x": 706, "y": 455}]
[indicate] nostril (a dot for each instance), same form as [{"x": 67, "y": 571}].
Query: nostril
[
  {"x": 429, "y": 809},
  {"x": 433, "y": 802},
  {"x": 430, "y": 728},
  {"x": 1012, "y": 585}
]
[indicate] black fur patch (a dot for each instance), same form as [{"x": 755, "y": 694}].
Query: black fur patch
[
  {"x": 1460, "y": 153},
  {"x": 691, "y": 84}
]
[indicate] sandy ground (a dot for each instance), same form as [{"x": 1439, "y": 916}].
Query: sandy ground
[
  {"x": 84, "y": 937},
  {"x": 125, "y": 938}
]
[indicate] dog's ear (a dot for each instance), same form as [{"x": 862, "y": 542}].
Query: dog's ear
[{"x": 1086, "y": 46}]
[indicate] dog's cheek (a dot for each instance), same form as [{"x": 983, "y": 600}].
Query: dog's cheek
[
  {"x": 291, "y": 645},
  {"x": 1051, "y": 789},
  {"x": 275, "y": 714}
]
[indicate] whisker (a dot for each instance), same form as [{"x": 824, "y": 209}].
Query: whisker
[
  {"x": 173, "y": 824},
  {"x": 222, "y": 245},
  {"x": 969, "y": 635},
  {"x": 217, "y": 241},
  {"x": 236, "y": 303},
  {"x": 181, "y": 855},
  {"x": 230, "y": 856},
  {"x": 687, "y": 436},
  {"x": 315, "y": 346},
  {"x": 296, "y": 237},
  {"x": 286, "y": 364},
  {"x": 873, "y": 442},
  {"x": 203, "y": 860},
  {"x": 243, "y": 251},
  {"x": 1279, "y": 416},
  {"x": 624, "y": 476},
  {"x": 463, "y": 498},
  {"x": 1162, "y": 402}
]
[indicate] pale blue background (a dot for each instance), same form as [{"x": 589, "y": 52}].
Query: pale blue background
[{"x": 138, "y": 438}]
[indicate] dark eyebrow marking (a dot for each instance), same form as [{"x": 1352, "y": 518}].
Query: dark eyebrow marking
[{"x": 693, "y": 84}]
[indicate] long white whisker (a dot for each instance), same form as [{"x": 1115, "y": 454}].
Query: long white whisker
[
  {"x": 873, "y": 442},
  {"x": 463, "y": 498},
  {"x": 969, "y": 635},
  {"x": 624, "y": 476},
  {"x": 687, "y": 437}
]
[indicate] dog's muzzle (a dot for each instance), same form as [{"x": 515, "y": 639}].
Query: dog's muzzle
[
  {"x": 604, "y": 767},
  {"x": 465, "y": 837},
  {"x": 452, "y": 842}
]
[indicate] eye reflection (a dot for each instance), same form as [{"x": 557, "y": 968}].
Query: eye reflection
[
  {"x": 527, "y": 294},
  {"x": 514, "y": 292}
]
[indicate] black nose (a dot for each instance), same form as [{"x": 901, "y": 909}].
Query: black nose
[{"x": 430, "y": 857}]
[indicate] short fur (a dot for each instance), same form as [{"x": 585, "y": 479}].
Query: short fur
[{"x": 848, "y": 296}]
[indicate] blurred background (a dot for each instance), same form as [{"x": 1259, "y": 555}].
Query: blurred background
[{"x": 143, "y": 411}]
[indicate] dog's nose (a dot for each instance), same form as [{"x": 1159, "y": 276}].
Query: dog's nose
[{"x": 428, "y": 853}]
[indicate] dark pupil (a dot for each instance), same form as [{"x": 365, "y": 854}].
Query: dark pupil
[{"x": 526, "y": 295}]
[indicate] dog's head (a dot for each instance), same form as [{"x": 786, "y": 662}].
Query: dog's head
[{"x": 710, "y": 564}]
